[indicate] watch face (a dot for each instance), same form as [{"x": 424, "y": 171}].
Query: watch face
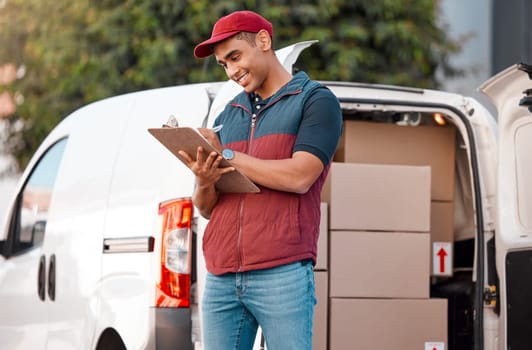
[{"x": 228, "y": 153}]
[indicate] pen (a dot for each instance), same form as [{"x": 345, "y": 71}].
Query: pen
[{"x": 218, "y": 128}]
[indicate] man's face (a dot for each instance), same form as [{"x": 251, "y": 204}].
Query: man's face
[{"x": 244, "y": 63}]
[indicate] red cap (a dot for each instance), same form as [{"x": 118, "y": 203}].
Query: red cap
[{"x": 227, "y": 26}]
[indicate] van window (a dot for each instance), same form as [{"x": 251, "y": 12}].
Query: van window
[{"x": 28, "y": 223}]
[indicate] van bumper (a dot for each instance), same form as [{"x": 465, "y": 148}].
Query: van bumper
[{"x": 173, "y": 329}]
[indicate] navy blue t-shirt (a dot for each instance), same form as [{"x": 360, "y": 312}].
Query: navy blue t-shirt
[{"x": 321, "y": 125}]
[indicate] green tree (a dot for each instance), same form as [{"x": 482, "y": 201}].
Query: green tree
[{"x": 80, "y": 51}]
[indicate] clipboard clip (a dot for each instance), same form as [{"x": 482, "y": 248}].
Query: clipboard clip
[{"x": 171, "y": 123}]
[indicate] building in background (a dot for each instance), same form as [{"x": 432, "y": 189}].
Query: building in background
[
  {"x": 511, "y": 33},
  {"x": 495, "y": 33},
  {"x": 469, "y": 22}
]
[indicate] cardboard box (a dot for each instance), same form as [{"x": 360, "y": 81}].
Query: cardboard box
[
  {"x": 323, "y": 239},
  {"x": 319, "y": 330},
  {"x": 370, "y": 324},
  {"x": 441, "y": 231},
  {"x": 378, "y": 197},
  {"x": 441, "y": 221},
  {"x": 379, "y": 264},
  {"x": 381, "y": 143}
]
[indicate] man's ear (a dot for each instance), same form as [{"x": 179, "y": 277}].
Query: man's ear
[{"x": 264, "y": 41}]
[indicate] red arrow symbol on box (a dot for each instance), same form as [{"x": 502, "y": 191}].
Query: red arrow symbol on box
[{"x": 442, "y": 254}]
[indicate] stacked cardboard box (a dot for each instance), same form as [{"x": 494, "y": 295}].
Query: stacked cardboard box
[
  {"x": 321, "y": 311},
  {"x": 379, "y": 256},
  {"x": 380, "y": 143},
  {"x": 384, "y": 211},
  {"x": 369, "y": 324}
]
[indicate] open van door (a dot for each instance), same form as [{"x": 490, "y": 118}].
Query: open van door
[{"x": 511, "y": 93}]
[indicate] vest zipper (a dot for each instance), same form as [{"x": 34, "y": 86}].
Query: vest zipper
[
  {"x": 241, "y": 211},
  {"x": 239, "y": 238},
  {"x": 252, "y": 131}
]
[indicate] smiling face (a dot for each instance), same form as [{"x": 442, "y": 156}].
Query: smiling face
[{"x": 246, "y": 59}]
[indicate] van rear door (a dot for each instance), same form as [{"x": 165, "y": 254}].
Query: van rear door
[{"x": 511, "y": 92}]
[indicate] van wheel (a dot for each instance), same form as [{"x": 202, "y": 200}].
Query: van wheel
[{"x": 110, "y": 340}]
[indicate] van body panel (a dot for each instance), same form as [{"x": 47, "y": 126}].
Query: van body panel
[{"x": 76, "y": 224}]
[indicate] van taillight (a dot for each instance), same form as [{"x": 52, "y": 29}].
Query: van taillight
[{"x": 173, "y": 290}]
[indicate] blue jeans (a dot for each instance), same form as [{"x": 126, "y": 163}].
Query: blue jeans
[{"x": 280, "y": 300}]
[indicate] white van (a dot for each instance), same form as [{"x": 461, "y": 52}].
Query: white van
[{"x": 101, "y": 247}]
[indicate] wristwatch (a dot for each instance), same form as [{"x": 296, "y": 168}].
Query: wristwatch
[{"x": 228, "y": 153}]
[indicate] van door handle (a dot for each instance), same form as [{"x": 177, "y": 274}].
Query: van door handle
[
  {"x": 41, "y": 277},
  {"x": 51, "y": 278}
]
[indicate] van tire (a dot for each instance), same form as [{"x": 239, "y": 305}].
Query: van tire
[{"x": 110, "y": 340}]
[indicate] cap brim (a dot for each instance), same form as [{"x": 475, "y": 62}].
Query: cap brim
[{"x": 204, "y": 49}]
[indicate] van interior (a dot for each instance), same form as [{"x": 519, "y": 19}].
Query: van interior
[{"x": 457, "y": 285}]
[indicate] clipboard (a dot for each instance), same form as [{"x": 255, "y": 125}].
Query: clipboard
[{"x": 188, "y": 139}]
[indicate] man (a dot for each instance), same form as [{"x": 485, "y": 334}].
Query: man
[{"x": 259, "y": 248}]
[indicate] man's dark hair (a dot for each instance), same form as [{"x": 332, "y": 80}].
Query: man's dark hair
[{"x": 247, "y": 36}]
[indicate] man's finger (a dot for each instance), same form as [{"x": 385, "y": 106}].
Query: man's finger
[
  {"x": 186, "y": 157},
  {"x": 226, "y": 170},
  {"x": 213, "y": 160},
  {"x": 199, "y": 156}
]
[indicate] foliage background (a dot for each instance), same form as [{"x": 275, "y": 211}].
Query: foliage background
[{"x": 76, "y": 52}]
